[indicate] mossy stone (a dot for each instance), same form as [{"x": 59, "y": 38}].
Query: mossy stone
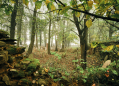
[{"x": 25, "y": 82}]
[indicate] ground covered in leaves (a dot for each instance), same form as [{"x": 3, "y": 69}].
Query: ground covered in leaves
[{"x": 65, "y": 63}]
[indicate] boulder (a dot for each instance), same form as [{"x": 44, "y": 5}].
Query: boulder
[
  {"x": 107, "y": 63},
  {"x": 2, "y": 44},
  {"x": 6, "y": 80},
  {"x": 3, "y": 57}
]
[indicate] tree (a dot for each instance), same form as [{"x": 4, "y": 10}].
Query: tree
[
  {"x": 49, "y": 34},
  {"x": 20, "y": 13},
  {"x": 33, "y": 33},
  {"x": 13, "y": 21}
]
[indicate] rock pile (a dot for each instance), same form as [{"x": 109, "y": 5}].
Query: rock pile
[{"x": 17, "y": 70}]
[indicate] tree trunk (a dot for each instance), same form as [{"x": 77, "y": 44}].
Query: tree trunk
[
  {"x": 56, "y": 49},
  {"x": 84, "y": 45},
  {"x": 36, "y": 37},
  {"x": 63, "y": 38},
  {"x": 33, "y": 33},
  {"x": 13, "y": 21},
  {"x": 20, "y": 12},
  {"x": 45, "y": 38},
  {"x": 110, "y": 32},
  {"x": 40, "y": 38},
  {"x": 83, "y": 39},
  {"x": 49, "y": 34}
]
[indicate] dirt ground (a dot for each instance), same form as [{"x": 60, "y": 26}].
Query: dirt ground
[{"x": 65, "y": 63}]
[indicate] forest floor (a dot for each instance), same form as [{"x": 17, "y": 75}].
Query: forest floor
[{"x": 64, "y": 63}]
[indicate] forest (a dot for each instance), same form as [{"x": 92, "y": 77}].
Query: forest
[{"x": 59, "y": 43}]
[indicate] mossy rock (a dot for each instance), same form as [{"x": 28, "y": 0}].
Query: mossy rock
[
  {"x": 21, "y": 74},
  {"x": 10, "y": 59},
  {"x": 33, "y": 65},
  {"x": 13, "y": 73},
  {"x": 28, "y": 73},
  {"x": 27, "y": 59},
  {"x": 24, "y": 82},
  {"x": 17, "y": 65}
]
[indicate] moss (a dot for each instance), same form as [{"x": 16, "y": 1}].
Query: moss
[
  {"x": 25, "y": 82},
  {"x": 21, "y": 74}
]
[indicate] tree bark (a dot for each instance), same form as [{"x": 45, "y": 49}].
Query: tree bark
[
  {"x": 36, "y": 35},
  {"x": 20, "y": 12},
  {"x": 13, "y": 21},
  {"x": 40, "y": 38},
  {"x": 49, "y": 34},
  {"x": 83, "y": 39},
  {"x": 56, "y": 49},
  {"x": 32, "y": 34},
  {"x": 45, "y": 38}
]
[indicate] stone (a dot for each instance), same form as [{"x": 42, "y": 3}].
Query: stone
[
  {"x": 13, "y": 73},
  {"x": 17, "y": 65},
  {"x": 42, "y": 82},
  {"x": 21, "y": 74},
  {"x": 36, "y": 74},
  {"x": 107, "y": 63},
  {"x": 2, "y": 44},
  {"x": 24, "y": 82},
  {"x": 25, "y": 62},
  {"x": 3, "y": 57},
  {"x": 6, "y": 80},
  {"x": 13, "y": 83}
]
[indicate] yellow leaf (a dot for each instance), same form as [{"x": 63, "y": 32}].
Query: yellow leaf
[
  {"x": 117, "y": 46},
  {"x": 90, "y": 3},
  {"x": 47, "y": 1},
  {"x": 26, "y": 2},
  {"x": 96, "y": 1},
  {"x": 117, "y": 11},
  {"x": 118, "y": 53},
  {"x": 64, "y": 9},
  {"x": 34, "y": 0},
  {"x": 108, "y": 48},
  {"x": 12, "y": 1},
  {"x": 89, "y": 23},
  {"x": 46, "y": 70},
  {"x": 52, "y": 7},
  {"x": 77, "y": 14}
]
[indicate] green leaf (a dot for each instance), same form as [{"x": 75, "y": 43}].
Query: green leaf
[
  {"x": 115, "y": 72},
  {"x": 84, "y": 80},
  {"x": 75, "y": 60},
  {"x": 103, "y": 46},
  {"x": 38, "y": 4},
  {"x": 59, "y": 57},
  {"x": 63, "y": 77},
  {"x": 64, "y": 9}
]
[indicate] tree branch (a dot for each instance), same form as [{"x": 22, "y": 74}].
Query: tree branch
[
  {"x": 75, "y": 32},
  {"x": 112, "y": 24},
  {"x": 97, "y": 16}
]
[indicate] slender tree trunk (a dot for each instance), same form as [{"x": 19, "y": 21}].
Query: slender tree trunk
[
  {"x": 36, "y": 36},
  {"x": 110, "y": 32},
  {"x": 63, "y": 38},
  {"x": 56, "y": 49},
  {"x": 13, "y": 21},
  {"x": 33, "y": 33},
  {"x": 49, "y": 34},
  {"x": 24, "y": 36},
  {"x": 40, "y": 38},
  {"x": 45, "y": 38},
  {"x": 20, "y": 12}
]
